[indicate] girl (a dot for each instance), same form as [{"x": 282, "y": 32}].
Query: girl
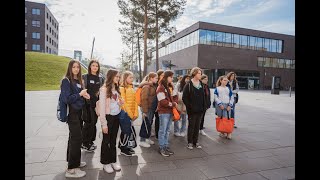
[
  {"x": 181, "y": 107},
  {"x": 110, "y": 107},
  {"x": 204, "y": 80},
  {"x": 160, "y": 76},
  {"x": 234, "y": 86},
  {"x": 166, "y": 101},
  {"x": 194, "y": 97},
  {"x": 130, "y": 106},
  {"x": 224, "y": 99},
  {"x": 72, "y": 93},
  {"x": 148, "y": 93},
  {"x": 92, "y": 81}
]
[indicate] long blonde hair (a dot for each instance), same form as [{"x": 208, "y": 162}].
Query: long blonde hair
[
  {"x": 219, "y": 80},
  {"x": 124, "y": 77}
]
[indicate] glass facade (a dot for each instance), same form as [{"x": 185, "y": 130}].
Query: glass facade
[
  {"x": 276, "y": 63},
  {"x": 224, "y": 39}
]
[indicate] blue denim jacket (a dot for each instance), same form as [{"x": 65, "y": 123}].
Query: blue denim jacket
[{"x": 70, "y": 95}]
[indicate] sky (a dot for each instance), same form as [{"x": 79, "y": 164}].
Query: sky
[{"x": 82, "y": 20}]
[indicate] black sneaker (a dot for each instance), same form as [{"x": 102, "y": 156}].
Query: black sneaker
[
  {"x": 164, "y": 153},
  {"x": 93, "y": 145},
  {"x": 234, "y": 126},
  {"x": 169, "y": 151},
  {"x": 132, "y": 151},
  {"x": 87, "y": 149},
  {"x": 126, "y": 153}
]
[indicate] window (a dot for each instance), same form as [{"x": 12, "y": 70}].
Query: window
[
  {"x": 282, "y": 63},
  {"x": 25, "y": 34},
  {"x": 236, "y": 41},
  {"x": 259, "y": 44},
  {"x": 47, "y": 15},
  {"x": 268, "y": 62},
  {"x": 209, "y": 36},
  {"x": 47, "y": 27},
  {"x": 25, "y": 46},
  {"x": 260, "y": 62},
  {"x": 50, "y": 18},
  {"x": 228, "y": 41},
  {"x": 219, "y": 38},
  {"x": 47, "y": 38},
  {"x": 280, "y": 47},
  {"x": 50, "y": 29},
  {"x": 267, "y": 44},
  {"x": 50, "y": 50},
  {"x": 36, "y": 11},
  {"x": 35, "y": 35},
  {"x": 47, "y": 49},
  {"x": 202, "y": 36},
  {"x": 52, "y": 22},
  {"x": 252, "y": 42},
  {"x": 25, "y": 10},
  {"x": 273, "y": 47},
  {"x": 244, "y": 41},
  {"x": 26, "y": 22},
  {"x": 288, "y": 63},
  {"x": 275, "y": 62},
  {"x": 50, "y": 40},
  {"x": 36, "y": 23},
  {"x": 35, "y": 47},
  {"x": 293, "y": 64}
]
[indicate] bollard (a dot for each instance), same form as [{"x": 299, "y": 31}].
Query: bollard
[{"x": 290, "y": 91}]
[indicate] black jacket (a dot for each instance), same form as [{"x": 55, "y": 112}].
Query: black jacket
[{"x": 190, "y": 100}]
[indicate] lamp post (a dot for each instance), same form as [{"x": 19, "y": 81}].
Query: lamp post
[{"x": 216, "y": 72}]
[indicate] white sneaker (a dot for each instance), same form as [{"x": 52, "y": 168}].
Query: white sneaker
[
  {"x": 182, "y": 134},
  {"x": 82, "y": 164},
  {"x": 144, "y": 144},
  {"x": 75, "y": 173},
  {"x": 229, "y": 136},
  {"x": 202, "y": 133},
  {"x": 177, "y": 134},
  {"x": 108, "y": 168},
  {"x": 116, "y": 166},
  {"x": 222, "y": 135},
  {"x": 150, "y": 141}
]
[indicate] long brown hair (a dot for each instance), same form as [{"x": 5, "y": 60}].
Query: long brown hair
[
  {"x": 230, "y": 74},
  {"x": 89, "y": 67},
  {"x": 164, "y": 80},
  {"x": 159, "y": 72},
  {"x": 183, "y": 82},
  {"x": 194, "y": 71},
  {"x": 109, "y": 82},
  {"x": 124, "y": 77},
  {"x": 219, "y": 80},
  {"x": 69, "y": 73}
]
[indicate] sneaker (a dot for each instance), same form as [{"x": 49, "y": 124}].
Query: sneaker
[
  {"x": 182, "y": 134},
  {"x": 164, "y": 153},
  {"x": 202, "y": 133},
  {"x": 234, "y": 126},
  {"x": 144, "y": 144},
  {"x": 116, "y": 166},
  {"x": 149, "y": 141},
  {"x": 177, "y": 134},
  {"x": 93, "y": 145},
  {"x": 82, "y": 164},
  {"x": 229, "y": 136},
  {"x": 108, "y": 168},
  {"x": 222, "y": 135},
  {"x": 126, "y": 153},
  {"x": 198, "y": 146},
  {"x": 87, "y": 149},
  {"x": 169, "y": 151},
  {"x": 132, "y": 151},
  {"x": 75, "y": 173},
  {"x": 190, "y": 146}
]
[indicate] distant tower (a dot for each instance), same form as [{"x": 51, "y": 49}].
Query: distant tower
[{"x": 77, "y": 55}]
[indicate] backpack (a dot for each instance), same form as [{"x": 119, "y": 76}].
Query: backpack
[
  {"x": 138, "y": 96},
  {"x": 63, "y": 108}
]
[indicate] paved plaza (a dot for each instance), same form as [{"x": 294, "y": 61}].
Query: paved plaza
[{"x": 263, "y": 145}]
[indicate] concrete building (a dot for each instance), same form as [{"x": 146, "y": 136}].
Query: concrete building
[
  {"x": 41, "y": 29},
  {"x": 255, "y": 56}
]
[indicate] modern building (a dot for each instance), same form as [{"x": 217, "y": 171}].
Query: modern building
[
  {"x": 41, "y": 29},
  {"x": 255, "y": 56}
]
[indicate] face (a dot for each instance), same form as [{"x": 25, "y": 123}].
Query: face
[
  {"x": 187, "y": 79},
  {"x": 232, "y": 77},
  {"x": 154, "y": 80},
  {"x": 198, "y": 75},
  {"x": 75, "y": 69},
  {"x": 205, "y": 81},
  {"x": 224, "y": 81},
  {"x": 116, "y": 79},
  {"x": 170, "y": 79},
  {"x": 94, "y": 68},
  {"x": 129, "y": 79},
  {"x": 161, "y": 76}
]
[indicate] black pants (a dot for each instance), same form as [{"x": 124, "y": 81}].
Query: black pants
[
  {"x": 193, "y": 127},
  {"x": 75, "y": 138},
  {"x": 202, "y": 120},
  {"x": 89, "y": 128},
  {"x": 108, "y": 145},
  {"x": 156, "y": 123}
]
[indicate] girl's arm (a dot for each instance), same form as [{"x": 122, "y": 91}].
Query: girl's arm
[
  {"x": 102, "y": 101},
  {"x": 68, "y": 97},
  {"x": 162, "y": 97},
  {"x": 216, "y": 97},
  {"x": 125, "y": 105},
  {"x": 136, "y": 111}
]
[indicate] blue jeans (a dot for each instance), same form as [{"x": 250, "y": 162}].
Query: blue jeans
[
  {"x": 232, "y": 111},
  {"x": 219, "y": 111},
  {"x": 183, "y": 121},
  {"x": 164, "y": 130}
]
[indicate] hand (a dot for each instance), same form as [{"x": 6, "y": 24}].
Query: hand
[
  {"x": 86, "y": 96},
  {"x": 228, "y": 108},
  {"x": 105, "y": 130},
  {"x": 134, "y": 117},
  {"x": 175, "y": 104},
  {"x": 221, "y": 107},
  {"x": 121, "y": 102},
  {"x": 83, "y": 92},
  {"x": 170, "y": 104},
  {"x": 144, "y": 115}
]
